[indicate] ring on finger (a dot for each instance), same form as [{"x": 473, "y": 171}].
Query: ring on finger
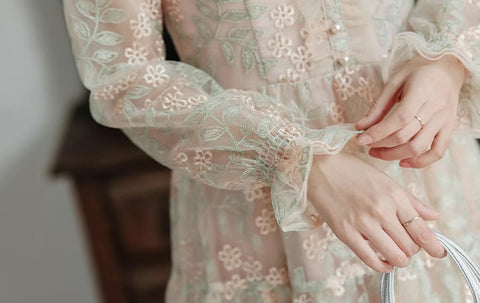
[
  {"x": 422, "y": 124},
  {"x": 406, "y": 223}
]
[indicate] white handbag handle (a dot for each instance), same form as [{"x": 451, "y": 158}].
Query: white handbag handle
[{"x": 465, "y": 263}]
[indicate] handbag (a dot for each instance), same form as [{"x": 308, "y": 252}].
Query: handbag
[{"x": 465, "y": 263}]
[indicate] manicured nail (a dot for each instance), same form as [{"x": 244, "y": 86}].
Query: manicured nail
[
  {"x": 364, "y": 139},
  {"x": 405, "y": 164}
]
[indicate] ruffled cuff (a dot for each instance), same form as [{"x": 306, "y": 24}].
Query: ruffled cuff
[
  {"x": 465, "y": 47},
  {"x": 292, "y": 209}
]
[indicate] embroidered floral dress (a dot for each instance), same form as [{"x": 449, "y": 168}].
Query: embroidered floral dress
[{"x": 263, "y": 86}]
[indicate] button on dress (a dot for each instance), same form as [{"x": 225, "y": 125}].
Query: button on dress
[{"x": 262, "y": 86}]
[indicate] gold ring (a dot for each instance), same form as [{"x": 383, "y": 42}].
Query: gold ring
[
  {"x": 421, "y": 121},
  {"x": 410, "y": 221}
]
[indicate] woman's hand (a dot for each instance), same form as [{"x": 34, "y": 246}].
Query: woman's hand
[
  {"x": 360, "y": 203},
  {"x": 419, "y": 129}
]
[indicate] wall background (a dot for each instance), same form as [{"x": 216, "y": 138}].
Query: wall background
[{"x": 43, "y": 258}]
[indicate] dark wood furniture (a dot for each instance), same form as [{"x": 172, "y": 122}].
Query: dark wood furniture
[{"x": 123, "y": 199}]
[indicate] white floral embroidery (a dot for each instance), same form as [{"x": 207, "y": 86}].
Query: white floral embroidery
[
  {"x": 315, "y": 249},
  {"x": 343, "y": 86},
  {"x": 156, "y": 75},
  {"x": 174, "y": 100},
  {"x": 110, "y": 91},
  {"x": 345, "y": 271},
  {"x": 367, "y": 89},
  {"x": 243, "y": 98},
  {"x": 230, "y": 257},
  {"x": 253, "y": 193},
  {"x": 182, "y": 160},
  {"x": 151, "y": 7},
  {"x": 290, "y": 76},
  {"x": 141, "y": 26},
  {"x": 302, "y": 59},
  {"x": 136, "y": 54},
  {"x": 303, "y": 298},
  {"x": 196, "y": 100},
  {"x": 283, "y": 15},
  {"x": 231, "y": 286},
  {"x": 253, "y": 268},
  {"x": 277, "y": 276},
  {"x": 266, "y": 222},
  {"x": 203, "y": 159},
  {"x": 280, "y": 45},
  {"x": 337, "y": 113}
]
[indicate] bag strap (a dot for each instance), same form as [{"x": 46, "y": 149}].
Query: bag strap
[{"x": 465, "y": 263}]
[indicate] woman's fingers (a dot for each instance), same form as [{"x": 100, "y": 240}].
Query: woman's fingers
[
  {"x": 362, "y": 249},
  {"x": 439, "y": 146},
  {"x": 418, "y": 229},
  {"x": 426, "y": 212},
  {"x": 398, "y": 234},
  {"x": 397, "y": 120},
  {"x": 388, "y": 97},
  {"x": 387, "y": 247},
  {"x": 415, "y": 147}
]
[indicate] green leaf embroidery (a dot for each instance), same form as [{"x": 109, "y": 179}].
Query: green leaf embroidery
[
  {"x": 238, "y": 33},
  {"x": 194, "y": 119},
  {"x": 104, "y": 75},
  {"x": 211, "y": 133},
  {"x": 137, "y": 92},
  {"x": 204, "y": 30},
  {"x": 128, "y": 108},
  {"x": 150, "y": 117},
  {"x": 108, "y": 38},
  {"x": 112, "y": 15},
  {"x": 256, "y": 11},
  {"x": 81, "y": 29},
  {"x": 230, "y": 113},
  {"x": 227, "y": 50},
  {"x": 104, "y": 56},
  {"x": 235, "y": 16},
  {"x": 246, "y": 128},
  {"x": 85, "y": 8},
  {"x": 248, "y": 58},
  {"x": 87, "y": 70},
  {"x": 207, "y": 11}
]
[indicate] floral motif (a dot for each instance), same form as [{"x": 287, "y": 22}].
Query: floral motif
[
  {"x": 266, "y": 222},
  {"x": 141, "y": 26},
  {"x": 182, "y": 160},
  {"x": 253, "y": 193},
  {"x": 277, "y": 276},
  {"x": 253, "y": 268},
  {"x": 337, "y": 113},
  {"x": 230, "y": 257},
  {"x": 343, "y": 86},
  {"x": 109, "y": 92},
  {"x": 203, "y": 159},
  {"x": 347, "y": 270},
  {"x": 283, "y": 15},
  {"x": 302, "y": 59},
  {"x": 280, "y": 45},
  {"x": 290, "y": 76},
  {"x": 231, "y": 286},
  {"x": 196, "y": 100},
  {"x": 405, "y": 274},
  {"x": 315, "y": 249},
  {"x": 160, "y": 48},
  {"x": 174, "y": 100},
  {"x": 367, "y": 89},
  {"x": 156, "y": 75},
  {"x": 303, "y": 298},
  {"x": 136, "y": 54},
  {"x": 152, "y": 8}
]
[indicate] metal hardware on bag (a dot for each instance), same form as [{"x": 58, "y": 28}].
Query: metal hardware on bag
[{"x": 465, "y": 263}]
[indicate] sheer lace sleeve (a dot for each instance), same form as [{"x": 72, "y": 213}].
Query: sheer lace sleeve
[
  {"x": 182, "y": 118},
  {"x": 441, "y": 27}
]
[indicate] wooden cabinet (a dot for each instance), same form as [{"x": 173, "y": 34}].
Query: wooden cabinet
[{"x": 123, "y": 199}]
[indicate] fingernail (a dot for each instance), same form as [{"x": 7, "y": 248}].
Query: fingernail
[
  {"x": 363, "y": 119},
  {"x": 405, "y": 164},
  {"x": 364, "y": 139}
]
